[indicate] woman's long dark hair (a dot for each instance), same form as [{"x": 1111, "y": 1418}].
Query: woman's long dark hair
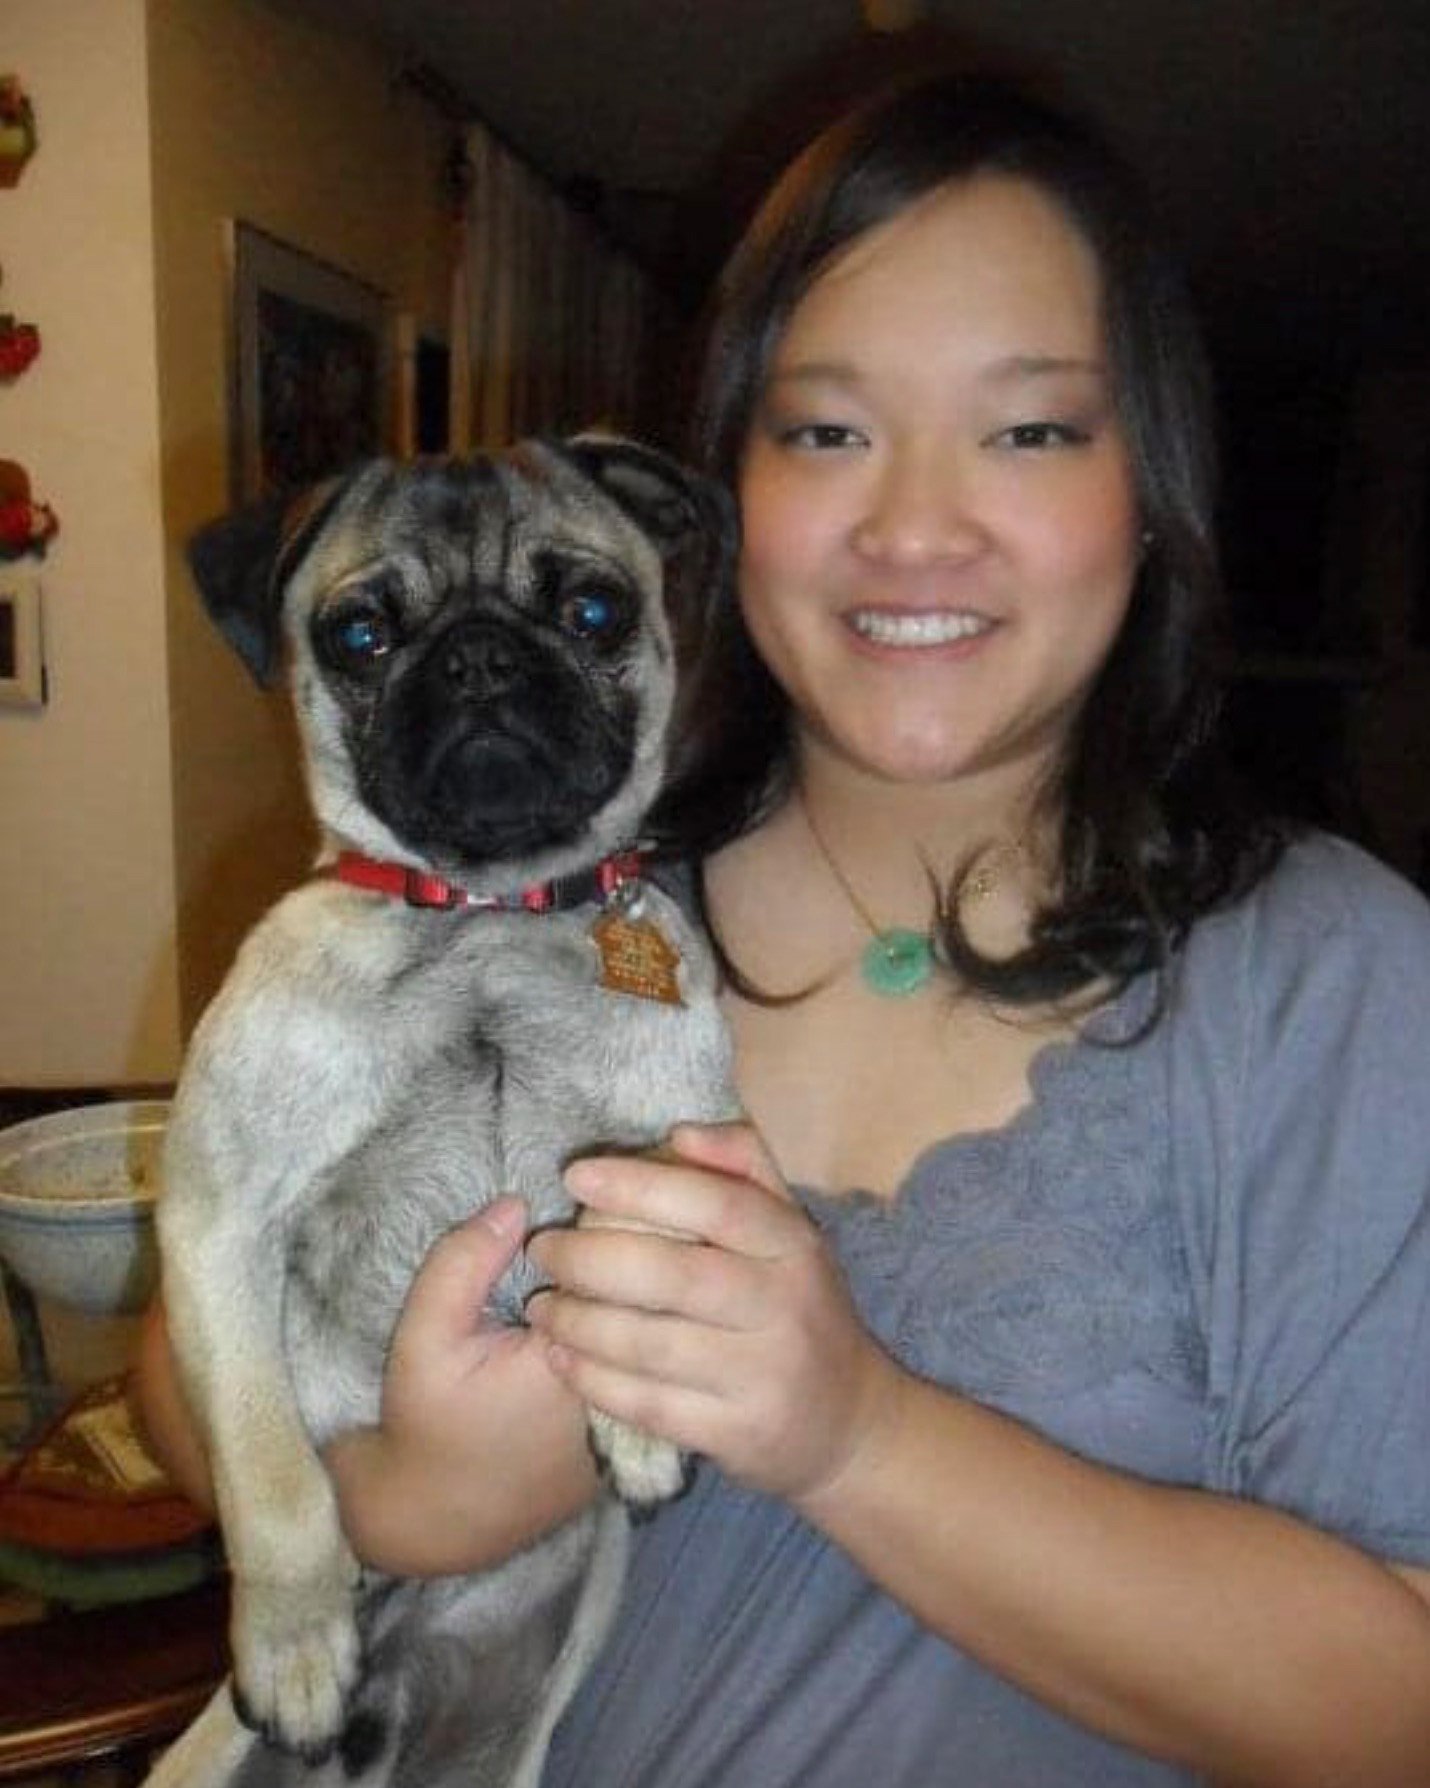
[{"x": 1152, "y": 829}]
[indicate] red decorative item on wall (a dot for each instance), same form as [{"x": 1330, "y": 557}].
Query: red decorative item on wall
[
  {"x": 18, "y": 136},
  {"x": 19, "y": 345},
  {"x": 25, "y": 525}
]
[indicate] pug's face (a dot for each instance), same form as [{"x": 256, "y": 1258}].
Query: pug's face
[{"x": 481, "y": 656}]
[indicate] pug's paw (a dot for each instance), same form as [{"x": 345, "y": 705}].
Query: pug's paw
[
  {"x": 297, "y": 1657},
  {"x": 642, "y": 1470}
]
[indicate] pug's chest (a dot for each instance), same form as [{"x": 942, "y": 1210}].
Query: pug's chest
[
  {"x": 599, "y": 1048},
  {"x": 519, "y": 1054},
  {"x": 530, "y": 1059}
]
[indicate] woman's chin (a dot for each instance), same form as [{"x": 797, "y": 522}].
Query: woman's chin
[{"x": 935, "y": 756}]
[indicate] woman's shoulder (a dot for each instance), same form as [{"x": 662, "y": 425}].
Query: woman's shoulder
[
  {"x": 1328, "y": 928},
  {"x": 1323, "y": 894},
  {"x": 1320, "y": 878}
]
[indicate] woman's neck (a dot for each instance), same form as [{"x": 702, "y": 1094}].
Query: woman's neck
[{"x": 904, "y": 830}]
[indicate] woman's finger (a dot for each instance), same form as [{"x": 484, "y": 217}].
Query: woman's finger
[
  {"x": 740, "y": 1214},
  {"x": 639, "y": 1343},
  {"x": 689, "y": 1419},
  {"x": 446, "y": 1299},
  {"x": 735, "y": 1149},
  {"x": 640, "y": 1269}
]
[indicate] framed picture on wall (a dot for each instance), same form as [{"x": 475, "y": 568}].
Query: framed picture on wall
[
  {"x": 22, "y": 651},
  {"x": 312, "y": 367}
]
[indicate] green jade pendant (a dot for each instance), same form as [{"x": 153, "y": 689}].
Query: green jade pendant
[{"x": 897, "y": 962}]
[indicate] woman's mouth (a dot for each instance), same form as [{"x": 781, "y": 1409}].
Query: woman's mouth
[{"x": 930, "y": 628}]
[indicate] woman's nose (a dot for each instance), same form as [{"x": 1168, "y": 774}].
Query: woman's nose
[{"x": 920, "y": 510}]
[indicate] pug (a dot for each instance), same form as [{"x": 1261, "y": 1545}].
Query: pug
[{"x": 480, "y": 982}]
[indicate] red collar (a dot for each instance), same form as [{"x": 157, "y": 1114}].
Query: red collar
[{"x": 418, "y": 888}]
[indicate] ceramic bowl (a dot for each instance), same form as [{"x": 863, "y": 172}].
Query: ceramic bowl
[{"x": 77, "y": 1192}]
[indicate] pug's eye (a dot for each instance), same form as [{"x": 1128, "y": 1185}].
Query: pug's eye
[
  {"x": 359, "y": 637},
  {"x": 591, "y": 613},
  {"x": 365, "y": 636}
]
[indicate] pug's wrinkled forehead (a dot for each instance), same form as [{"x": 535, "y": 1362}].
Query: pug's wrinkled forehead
[{"x": 515, "y": 530}]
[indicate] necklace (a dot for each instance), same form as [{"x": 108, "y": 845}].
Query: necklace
[{"x": 896, "y": 961}]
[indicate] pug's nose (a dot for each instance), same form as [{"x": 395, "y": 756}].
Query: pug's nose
[{"x": 480, "y": 660}]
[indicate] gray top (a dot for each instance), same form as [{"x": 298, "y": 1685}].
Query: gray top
[{"x": 1204, "y": 1258}]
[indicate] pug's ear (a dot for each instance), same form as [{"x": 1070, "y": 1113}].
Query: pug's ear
[
  {"x": 691, "y": 518},
  {"x": 242, "y": 561},
  {"x": 672, "y": 502}
]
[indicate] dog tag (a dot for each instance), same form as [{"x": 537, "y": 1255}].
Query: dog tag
[{"x": 637, "y": 958}]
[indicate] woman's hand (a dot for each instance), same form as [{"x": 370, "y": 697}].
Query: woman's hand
[
  {"x": 732, "y": 1333},
  {"x": 480, "y": 1449}
]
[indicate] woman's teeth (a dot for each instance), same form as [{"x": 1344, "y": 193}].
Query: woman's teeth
[{"x": 916, "y": 630}]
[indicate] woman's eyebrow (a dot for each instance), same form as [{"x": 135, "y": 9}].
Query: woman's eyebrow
[
  {"x": 1012, "y": 368},
  {"x": 1006, "y": 370},
  {"x": 815, "y": 372},
  {"x": 1006, "y": 373}
]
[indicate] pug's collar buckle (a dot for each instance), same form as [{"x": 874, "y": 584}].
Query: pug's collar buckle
[
  {"x": 618, "y": 882},
  {"x": 616, "y": 879}
]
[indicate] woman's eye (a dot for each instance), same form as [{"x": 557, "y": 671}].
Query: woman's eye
[
  {"x": 821, "y": 437},
  {"x": 1036, "y": 435},
  {"x": 590, "y": 613}
]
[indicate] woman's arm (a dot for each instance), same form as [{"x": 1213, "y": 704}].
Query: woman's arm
[
  {"x": 1246, "y": 1645},
  {"x": 163, "y": 1412},
  {"x": 1211, "y": 1631},
  {"x": 480, "y": 1448}
]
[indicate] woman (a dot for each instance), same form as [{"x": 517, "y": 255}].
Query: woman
[{"x": 1068, "y": 1424}]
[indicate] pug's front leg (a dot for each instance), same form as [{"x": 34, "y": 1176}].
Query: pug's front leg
[
  {"x": 296, "y": 1650},
  {"x": 642, "y": 1470}
]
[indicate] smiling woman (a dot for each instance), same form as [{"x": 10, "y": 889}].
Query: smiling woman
[{"x": 1035, "y": 1345}]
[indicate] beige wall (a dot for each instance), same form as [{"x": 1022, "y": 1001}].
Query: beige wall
[
  {"x": 87, "y": 984},
  {"x": 151, "y": 811},
  {"x": 261, "y": 118}
]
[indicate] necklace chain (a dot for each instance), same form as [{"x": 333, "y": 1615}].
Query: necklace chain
[
  {"x": 896, "y": 961},
  {"x": 899, "y": 961},
  {"x": 846, "y": 886}
]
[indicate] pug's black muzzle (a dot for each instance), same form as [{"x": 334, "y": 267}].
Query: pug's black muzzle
[{"x": 496, "y": 743}]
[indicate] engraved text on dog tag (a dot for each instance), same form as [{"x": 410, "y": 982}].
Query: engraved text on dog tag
[{"x": 636, "y": 957}]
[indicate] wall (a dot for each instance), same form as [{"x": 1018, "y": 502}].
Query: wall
[
  {"x": 302, "y": 133},
  {"x": 152, "y": 809},
  {"x": 87, "y": 969}
]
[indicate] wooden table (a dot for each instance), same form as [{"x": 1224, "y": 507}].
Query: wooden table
[{"x": 109, "y": 1685}]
